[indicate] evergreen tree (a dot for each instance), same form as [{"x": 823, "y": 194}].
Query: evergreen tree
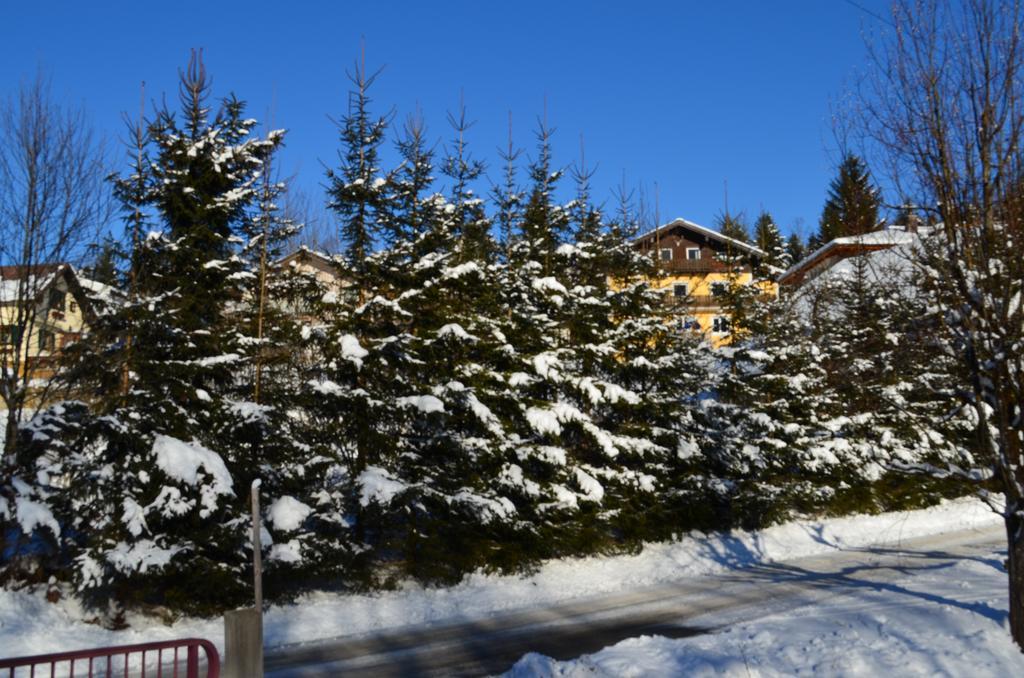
[
  {"x": 507, "y": 197},
  {"x": 470, "y": 223},
  {"x": 795, "y": 249},
  {"x": 732, "y": 226},
  {"x": 157, "y": 505},
  {"x": 356, "y": 189},
  {"x": 103, "y": 268},
  {"x": 768, "y": 238},
  {"x": 852, "y": 204}
]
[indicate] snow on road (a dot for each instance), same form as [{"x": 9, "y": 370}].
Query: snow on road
[
  {"x": 30, "y": 625},
  {"x": 943, "y": 621}
]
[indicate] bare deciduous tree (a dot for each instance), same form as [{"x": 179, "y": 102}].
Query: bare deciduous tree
[
  {"x": 319, "y": 232},
  {"x": 53, "y": 200},
  {"x": 946, "y": 106}
]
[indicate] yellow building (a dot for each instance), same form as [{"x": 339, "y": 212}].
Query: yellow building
[
  {"x": 40, "y": 312},
  {"x": 696, "y": 266}
]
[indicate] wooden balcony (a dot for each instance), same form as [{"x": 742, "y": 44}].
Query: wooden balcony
[
  {"x": 698, "y": 301},
  {"x": 698, "y": 266},
  {"x": 694, "y": 300}
]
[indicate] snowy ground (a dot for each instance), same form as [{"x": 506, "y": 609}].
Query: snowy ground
[
  {"x": 949, "y": 621},
  {"x": 30, "y": 625}
]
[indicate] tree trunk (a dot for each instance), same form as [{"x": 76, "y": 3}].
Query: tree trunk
[
  {"x": 11, "y": 428},
  {"x": 1015, "y": 570}
]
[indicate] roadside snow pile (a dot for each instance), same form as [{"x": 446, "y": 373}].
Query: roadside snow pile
[
  {"x": 28, "y": 625},
  {"x": 943, "y": 622}
]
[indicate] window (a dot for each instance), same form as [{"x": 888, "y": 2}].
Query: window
[
  {"x": 47, "y": 341},
  {"x": 720, "y": 324},
  {"x": 72, "y": 306},
  {"x": 693, "y": 253},
  {"x": 10, "y": 335},
  {"x": 719, "y": 289},
  {"x": 680, "y": 290},
  {"x": 666, "y": 254}
]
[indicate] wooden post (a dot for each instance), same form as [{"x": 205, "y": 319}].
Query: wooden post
[
  {"x": 243, "y": 629},
  {"x": 257, "y": 549},
  {"x": 243, "y": 643}
]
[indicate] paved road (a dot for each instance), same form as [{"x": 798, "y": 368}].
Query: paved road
[{"x": 684, "y": 608}]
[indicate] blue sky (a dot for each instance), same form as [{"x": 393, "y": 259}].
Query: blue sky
[{"x": 686, "y": 94}]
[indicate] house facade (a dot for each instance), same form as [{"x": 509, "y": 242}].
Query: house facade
[
  {"x": 696, "y": 266},
  {"x": 41, "y": 311}
]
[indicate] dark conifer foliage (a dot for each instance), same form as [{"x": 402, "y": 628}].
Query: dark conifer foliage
[
  {"x": 795, "y": 248},
  {"x": 767, "y": 237},
  {"x": 851, "y": 207},
  {"x": 733, "y": 226},
  {"x": 357, "y": 188}
]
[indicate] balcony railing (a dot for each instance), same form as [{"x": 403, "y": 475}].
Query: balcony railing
[
  {"x": 698, "y": 266},
  {"x": 705, "y": 300}
]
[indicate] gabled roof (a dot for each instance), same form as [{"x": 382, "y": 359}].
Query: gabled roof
[
  {"x": 37, "y": 279},
  {"x": 704, "y": 231},
  {"x": 16, "y": 272},
  {"x": 41, "y": 277},
  {"x": 853, "y": 244},
  {"x": 304, "y": 253}
]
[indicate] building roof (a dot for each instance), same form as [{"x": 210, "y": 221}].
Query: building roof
[
  {"x": 36, "y": 279},
  {"x": 702, "y": 230},
  {"x": 850, "y": 245},
  {"x": 321, "y": 260},
  {"x": 42, "y": 276}
]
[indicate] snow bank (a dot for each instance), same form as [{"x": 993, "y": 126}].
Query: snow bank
[
  {"x": 953, "y": 629},
  {"x": 28, "y": 625}
]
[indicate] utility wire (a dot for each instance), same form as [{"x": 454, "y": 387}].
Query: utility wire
[{"x": 870, "y": 12}]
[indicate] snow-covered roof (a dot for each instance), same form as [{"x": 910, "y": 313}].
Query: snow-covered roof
[
  {"x": 707, "y": 232},
  {"x": 884, "y": 239},
  {"x": 38, "y": 279},
  {"x": 304, "y": 251}
]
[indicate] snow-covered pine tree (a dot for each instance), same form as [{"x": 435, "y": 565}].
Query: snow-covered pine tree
[
  {"x": 768, "y": 238},
  {"x": 754, "y": 422},
  {"x": 795, "y": 248},
  {"x": 541, "y": 476},
  {"x": 506, "y": 196},
  {"x": 357, "y": 190},
  {"x": 304, "y": 504},
  {"x": 451, "y": 514},
  {"x": 636, "y": 377},
  {"x": 158, "y": 484},
  {"x": 364, "y": 316},
  {"x": 585, "y": 335},
  {"x": 353, "y": 395},
  {"x": 883, "y": 374}
]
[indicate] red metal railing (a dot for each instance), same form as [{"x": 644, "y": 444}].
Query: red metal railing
[{"x": 173, "y": 659}]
